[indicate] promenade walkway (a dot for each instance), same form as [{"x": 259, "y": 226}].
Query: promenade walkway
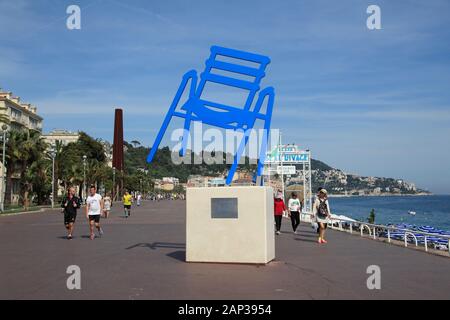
[{"x": 143, "y": 258}]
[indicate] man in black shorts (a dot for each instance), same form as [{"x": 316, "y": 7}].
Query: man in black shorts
[
  {"x": 70, "y": 204},
  {"x": 94, "y": 208}
]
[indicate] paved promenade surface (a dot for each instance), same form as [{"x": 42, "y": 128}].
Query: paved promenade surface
[{"x": 143, "y": 258}]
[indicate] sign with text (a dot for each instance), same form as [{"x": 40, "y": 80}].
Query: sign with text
[
  {"x": 287, "y": 154},
  {"x": 286, "y": 170}
]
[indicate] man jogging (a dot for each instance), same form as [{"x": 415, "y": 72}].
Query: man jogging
[
  {"x": 94, "y": 208},
  {"x": 127, "y": 198},
  {"x": 70, "y": 205}
]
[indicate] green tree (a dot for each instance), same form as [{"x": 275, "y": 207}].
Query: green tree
[
  {"x": 24, "y": 151},
  {"x": 39, "y": 175},
  {"x": 71, "y": 168}
]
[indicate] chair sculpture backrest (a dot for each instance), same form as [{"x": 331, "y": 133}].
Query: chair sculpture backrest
[{"x": 223, "y": 67}]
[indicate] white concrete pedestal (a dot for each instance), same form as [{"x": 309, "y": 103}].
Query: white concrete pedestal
[{"x": 230, "y": 225}]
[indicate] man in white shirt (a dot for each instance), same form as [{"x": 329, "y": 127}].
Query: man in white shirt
[
  {"x": 94, "y": 208},
  {"x": 295, "y": 207}
]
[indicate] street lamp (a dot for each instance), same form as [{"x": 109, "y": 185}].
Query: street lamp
[
  {"x": 84, "y": 178},
  {"x": 114, "y": 184},
  {"x": 2, "y": 195},
  {"x": 53, "y": 155}
]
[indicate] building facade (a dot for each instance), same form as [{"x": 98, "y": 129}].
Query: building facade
[
  {"x": 65, "y": 137},
  {"x": 17, "y": 116}
]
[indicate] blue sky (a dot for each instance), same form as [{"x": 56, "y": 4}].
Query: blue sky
[{"x": 368, "y": 102}]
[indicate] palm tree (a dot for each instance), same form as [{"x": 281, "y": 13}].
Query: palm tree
[
  {"x": 39, "y": 175},
  {"x": 14, "y": 156},
  {"x": 24, "y": 148},
  {"x": 72, "y": 175},
  {"x": 33, "y": 149}
]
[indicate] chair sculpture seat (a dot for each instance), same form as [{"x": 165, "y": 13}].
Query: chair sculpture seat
[
  {"x": 224, "y": 117},
  {"x": 221, "y": 115}
]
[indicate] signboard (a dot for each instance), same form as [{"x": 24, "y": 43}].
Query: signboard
[
  {"x": 224, "y": 208},
  {"x": 287, "y": 154},
  {"x": 286, "y": 170}
]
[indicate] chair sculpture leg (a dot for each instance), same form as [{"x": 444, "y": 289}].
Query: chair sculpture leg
[
  {"x": 188, "y": 119},
  {"x": 237, "y": 156},
  {"x": 269, "y": 92},
  {"x": 262, "y": 155},
  {"x": 191, "y": 75},
  {"x": 185, "y": 139}
]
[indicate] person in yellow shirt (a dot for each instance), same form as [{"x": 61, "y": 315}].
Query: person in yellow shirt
[{"x": 127, "y": 198}]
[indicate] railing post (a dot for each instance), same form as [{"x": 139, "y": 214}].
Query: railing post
[
  {"x": 351, "y": 228},
  {"x": 412, "y": 235},
  {"x": 426, "y": 244},
  {"x": 389, "y": 235},
  {"x": 368, "y": 229},
  {"x": 374, "y": 234},
  {"x": 448, "y": 246}
]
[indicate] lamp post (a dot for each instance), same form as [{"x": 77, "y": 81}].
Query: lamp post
[
  {"x": 114, "y": 184},
  {"x": 84, "y": 178},
  {"x": 53, "y": 155},
  {"x": 280, "y": 147},
  {"x": 2, "y": 195}
]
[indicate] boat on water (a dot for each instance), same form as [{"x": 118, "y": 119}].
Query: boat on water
[{"x": 412, "y": 213}]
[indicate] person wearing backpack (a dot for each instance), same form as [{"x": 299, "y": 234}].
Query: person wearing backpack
[{"x": 321, "y": 211}]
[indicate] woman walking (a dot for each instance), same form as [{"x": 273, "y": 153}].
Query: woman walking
[
  {"x": 295, "y": 207},
  {"x": 107, "y": 205},
  {"x": 279, "y": 209},
  {"x": 321, "y": 211}
]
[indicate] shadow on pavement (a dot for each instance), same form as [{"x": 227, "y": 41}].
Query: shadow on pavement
[
  {"x": 178, "y": 255},
  {"x": 305, "y": 240},
  {"x": 156, "y": 245}
]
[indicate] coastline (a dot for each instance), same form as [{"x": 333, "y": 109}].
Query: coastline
[{"x": 380, "y": 195}]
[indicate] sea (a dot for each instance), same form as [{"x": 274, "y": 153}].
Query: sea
[{"x": 431, "y": 210}]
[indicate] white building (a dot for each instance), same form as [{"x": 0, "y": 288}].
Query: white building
[
  {"x": 172, "y": 180},
  {"x": 19, "y": 115},
  {"x": 64, "y": 136}
]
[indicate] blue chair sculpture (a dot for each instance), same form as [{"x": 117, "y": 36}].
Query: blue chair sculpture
[{"x": 220, "y": 115}]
